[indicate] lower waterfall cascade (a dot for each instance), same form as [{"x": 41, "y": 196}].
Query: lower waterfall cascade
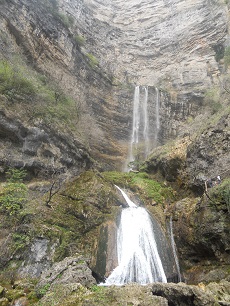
[
  {"x": 174, "y": 248},
  {"x": 138, "y": 256}
]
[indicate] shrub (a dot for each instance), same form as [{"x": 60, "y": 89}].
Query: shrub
[
  {"x": 14, "y": 193},
  {"x": 13, "y": 83},
  {"x": 15, "y": 175},
  {"x": 221, "y": 194},
  {"x": 93, "y": 61},
  {"x": 49, "y": 103},
  {"x": 80, "y": 40},
  {"x": 20, "y": 241},
  {"x": 212, "y": 100}
]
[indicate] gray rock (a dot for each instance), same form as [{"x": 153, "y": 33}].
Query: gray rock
[
  {"x": 184, "y": 295},
  {"x": 68, "y": 271}
]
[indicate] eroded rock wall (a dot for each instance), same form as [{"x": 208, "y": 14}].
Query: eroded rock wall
[
  {"x": 46, "y": 36},
  {"x": 96, "y": 51},
  {"x": 169, "y": 40}
]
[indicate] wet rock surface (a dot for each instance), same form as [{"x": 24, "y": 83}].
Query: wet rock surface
[
  {"x": 209, "y": 155},
  {"x": 201, "y": 230}
]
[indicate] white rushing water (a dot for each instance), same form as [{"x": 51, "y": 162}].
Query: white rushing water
[
  {"x": 138, "y": 257},
  {"x": 174, "y": 249},
  {"x": 136, "y": 124},
  {"x": 140, "y": 126},
  {"x": 146, "y": 122}
]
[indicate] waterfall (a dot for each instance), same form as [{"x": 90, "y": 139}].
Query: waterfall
[
  {"x": 138, "y": 257},
  {"x": 174, "y": 249},
  {"x": 127, "y": 199},
  {"x": 140, "y": 126},
  {"x": 146, "y": 122},
  {"x": 136, "y": 122}
]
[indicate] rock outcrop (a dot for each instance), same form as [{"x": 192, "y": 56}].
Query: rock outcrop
[
  {"x": 40, "y": 150},
  {"x": 201, "y": 229},
  {"x": 209, "y": 155},
  {"x": 69, "y": 271}
]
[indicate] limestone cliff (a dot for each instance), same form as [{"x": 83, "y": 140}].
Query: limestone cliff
[{"x": 95, "y": 51}]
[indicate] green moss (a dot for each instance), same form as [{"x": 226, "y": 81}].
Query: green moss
[
  {"x": 220, "y": 195},
  {"x": 65, "y": 295},
  {"x": 43, "y": 290},
  {"x": 101, "y": 296},
  {"x": 212, "y": 100},
  {"x": 96, "y": 288},
  {"x": 93, "y": 61},
  {"x": 43, "y": 100},
  {"x": 20, "y": 241},
  {"x": 13, "y": 82},
  {"x": 14, "y": 193},
  {"x": 141, "y": 182},
  {"x": 80, "y": 40}
]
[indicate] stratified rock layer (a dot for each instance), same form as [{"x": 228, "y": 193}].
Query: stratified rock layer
[
  {"x": 96, "y": 51},
  {"x": 171, "y": 40}
]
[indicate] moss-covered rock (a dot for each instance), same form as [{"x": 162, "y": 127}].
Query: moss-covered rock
[
  {"x": 4, "y": 302},
  {"x": 201, "y": 229}
]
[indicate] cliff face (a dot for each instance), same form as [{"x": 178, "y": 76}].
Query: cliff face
[
  {"x": 96, "y": 50},
  {"x": 172, "y": 45},
  {"x": 49, "y": 39},
  {"x": 171, "y": 40}
]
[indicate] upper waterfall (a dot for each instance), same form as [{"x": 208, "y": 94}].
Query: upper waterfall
[{"x": 145, "y": 124}]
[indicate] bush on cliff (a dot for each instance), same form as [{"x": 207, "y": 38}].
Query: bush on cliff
[
  {"x": 14, "y": 192},
  {"x": 220, "y": 194}
]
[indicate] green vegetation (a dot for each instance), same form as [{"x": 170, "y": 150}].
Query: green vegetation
[
  {"x": 20, "y": 241},
  {"x": 143, "y": 183},
  {"x": 44, "y": 100},
  {"x": 220, "y": 194},
  {"x": 93, "y": 61},
  {"x": 101, "y": 296},
  {"x": 96, "y": 288},
  {"x": 212, "y": 100},
  {"x": 80, "y": 40},
  {"x": 13, "y": 83},
  {"x": 14, "y": 193},
  {"x": 42, "y": 291},
  {"x": 52, "y": 6}
]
